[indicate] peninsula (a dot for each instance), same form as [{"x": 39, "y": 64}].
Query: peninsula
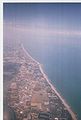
[{"x": 30, "y": 94}]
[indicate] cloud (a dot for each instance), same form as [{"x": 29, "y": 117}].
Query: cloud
[{"x": 42, "y": 31}]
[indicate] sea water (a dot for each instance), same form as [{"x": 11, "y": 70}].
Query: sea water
[{"x": 61, "y": 60}]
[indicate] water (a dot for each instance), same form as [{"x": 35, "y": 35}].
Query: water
[
  {"x": 9, "y": 113},
  {"x": 61, "y": 60}
]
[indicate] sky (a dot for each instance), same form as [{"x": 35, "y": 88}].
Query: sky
[
  {"x": 44, "y": 19},
  {"x": 43, "y": 25}
]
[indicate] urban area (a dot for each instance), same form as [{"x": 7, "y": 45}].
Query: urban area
[{"x": 29, "y": 93}]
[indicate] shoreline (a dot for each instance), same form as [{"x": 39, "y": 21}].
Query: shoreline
[
  {"x": 52, "y": 86},
  {"x": 63, "y": 101}
]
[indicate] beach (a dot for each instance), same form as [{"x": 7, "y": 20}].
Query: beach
[{"x": 52, "y": 86}]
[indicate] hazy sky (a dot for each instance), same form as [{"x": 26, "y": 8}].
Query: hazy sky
[{"x": 45, "y": 19}]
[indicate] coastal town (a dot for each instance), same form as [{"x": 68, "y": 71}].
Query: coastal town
[{"x": 30, "y": 94}]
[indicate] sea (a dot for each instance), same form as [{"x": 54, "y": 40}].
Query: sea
[{"x": 61, "y": 61}]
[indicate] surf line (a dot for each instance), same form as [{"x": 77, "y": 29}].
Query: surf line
[{"x": 52, "y": 87}]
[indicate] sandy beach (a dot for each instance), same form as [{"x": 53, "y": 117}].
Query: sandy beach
[
  {"x": 63, "y": 101},
  {"x": 53, "y": 88}
]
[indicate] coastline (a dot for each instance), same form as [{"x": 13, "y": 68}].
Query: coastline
[{"x": 52, "y": 86}]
